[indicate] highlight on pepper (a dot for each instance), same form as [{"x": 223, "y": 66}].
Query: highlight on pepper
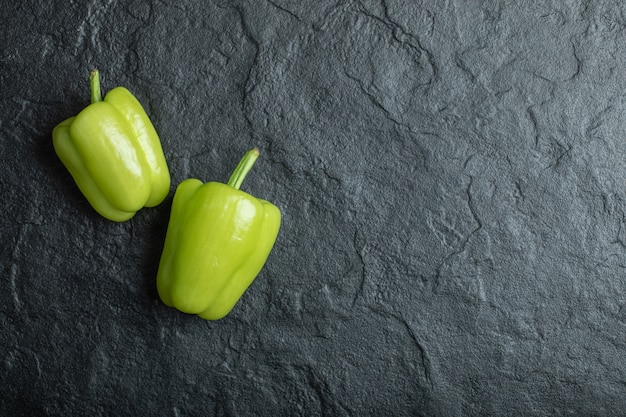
[
  {"x": 113, "y": 153},
  {"x": 217, "y": 241}
]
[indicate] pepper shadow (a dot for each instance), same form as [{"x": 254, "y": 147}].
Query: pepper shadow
[{"x": 155, "y": 225}]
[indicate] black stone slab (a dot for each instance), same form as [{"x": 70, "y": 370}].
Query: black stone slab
[{"x": 451, "y": 176}]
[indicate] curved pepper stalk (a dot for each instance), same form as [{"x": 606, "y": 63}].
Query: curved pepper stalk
[
  {"x": 114, "y": 154},
  {"x": 217, "y": 241}
]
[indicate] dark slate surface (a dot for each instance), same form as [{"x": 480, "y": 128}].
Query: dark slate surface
[{"x": 452, "y": 179}]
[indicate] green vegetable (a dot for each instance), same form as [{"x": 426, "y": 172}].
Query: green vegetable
[
  {"x": 114, "y": 154},
  {"x": 217, "y": 241}
]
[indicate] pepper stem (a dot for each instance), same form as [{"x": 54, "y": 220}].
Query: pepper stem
[
  {"x": 94, "y": 84},
  {"x": 242, "y": 169}
]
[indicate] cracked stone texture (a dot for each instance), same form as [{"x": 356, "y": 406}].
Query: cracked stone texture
[{"x": 451, "y": 176}]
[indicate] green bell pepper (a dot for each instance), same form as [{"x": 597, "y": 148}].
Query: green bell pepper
[
  {"x": 217, "y": 241},
  {"x": 114, "y": 154}
]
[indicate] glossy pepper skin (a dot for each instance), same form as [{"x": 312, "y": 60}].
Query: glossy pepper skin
[
  {"x": 217, "y": 241},
  {"x": 114, "y": 154}
]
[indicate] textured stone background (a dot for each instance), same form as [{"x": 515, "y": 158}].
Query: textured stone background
[{"x": 451, "y": 175}]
